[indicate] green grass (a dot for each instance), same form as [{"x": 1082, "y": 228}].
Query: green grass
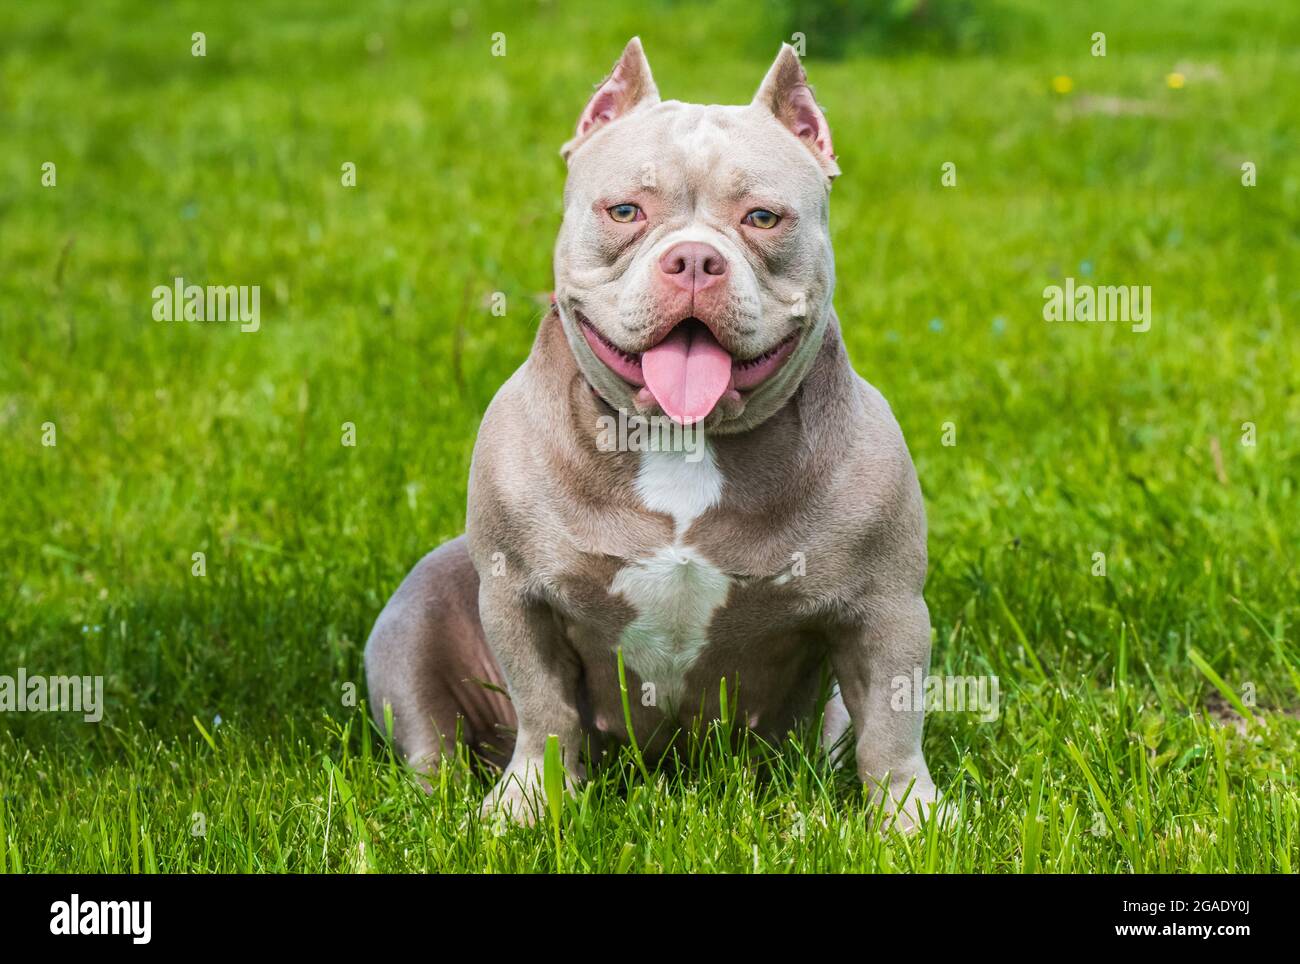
[{"x": 1117, "y": 749}]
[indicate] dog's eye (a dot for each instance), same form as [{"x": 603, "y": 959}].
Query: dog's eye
[
  {"x": 760, "y": 218},
  {"x": 626, "y": 213}
]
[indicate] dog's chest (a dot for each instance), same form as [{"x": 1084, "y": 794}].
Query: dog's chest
[{"x": 675, "y": 591}]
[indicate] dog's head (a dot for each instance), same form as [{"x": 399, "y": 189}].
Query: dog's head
[{"x": 693, "y": 271}]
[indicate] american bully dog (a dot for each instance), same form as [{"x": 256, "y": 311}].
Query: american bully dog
[{"x": 780, "y": 544}]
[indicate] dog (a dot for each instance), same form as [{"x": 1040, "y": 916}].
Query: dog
[{"x": 786, "y": 547}]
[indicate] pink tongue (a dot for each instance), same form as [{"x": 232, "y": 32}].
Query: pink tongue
[{"x": 687, "y": 372}]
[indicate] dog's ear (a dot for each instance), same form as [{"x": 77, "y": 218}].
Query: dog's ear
[
  {"x": 628, "y": 87},
  {"x": 785, "y": 92}
]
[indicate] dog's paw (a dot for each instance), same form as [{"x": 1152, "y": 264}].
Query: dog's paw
[
  {"x": 913, "y": 808},
  {"x": 519, "y": 796},
  {"x": 514, "y": 800}
]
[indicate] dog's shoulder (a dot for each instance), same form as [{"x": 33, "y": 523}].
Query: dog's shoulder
[{"x": 871, "y": 492}]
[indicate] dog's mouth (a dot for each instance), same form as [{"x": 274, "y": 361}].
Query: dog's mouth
[{"x": 688, "y": 372}]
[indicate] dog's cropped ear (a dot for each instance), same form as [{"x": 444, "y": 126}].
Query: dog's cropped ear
[
  {"x": 628, "y": 87},
  {"x": 786, "y": 94}
]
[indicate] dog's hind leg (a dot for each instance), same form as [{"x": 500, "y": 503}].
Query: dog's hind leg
[
  {"x": 837, "y": 729},
  {"x": 427, "y": 658}
]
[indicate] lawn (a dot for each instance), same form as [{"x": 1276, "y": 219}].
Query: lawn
[{"x": 1148, "y": 718}]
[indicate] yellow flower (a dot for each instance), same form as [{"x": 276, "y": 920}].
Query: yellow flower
[
  {"x": 1175, "y": 81},
  {"x": 1062, "y": 84}
]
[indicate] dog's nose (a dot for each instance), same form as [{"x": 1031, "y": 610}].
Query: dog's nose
[{"x": 693, "y": 265}]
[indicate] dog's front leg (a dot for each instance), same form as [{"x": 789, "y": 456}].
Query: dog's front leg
[
  {"x": 541, "y": 674},
  {"x": 872, "y": 661}
]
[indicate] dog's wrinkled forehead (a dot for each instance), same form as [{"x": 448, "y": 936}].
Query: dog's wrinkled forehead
[{"x": 699, "y": 154}]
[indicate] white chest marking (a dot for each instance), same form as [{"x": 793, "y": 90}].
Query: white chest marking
[
  {"x": 675, "y": 591},
  {"x": 667, "y": 482}
]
